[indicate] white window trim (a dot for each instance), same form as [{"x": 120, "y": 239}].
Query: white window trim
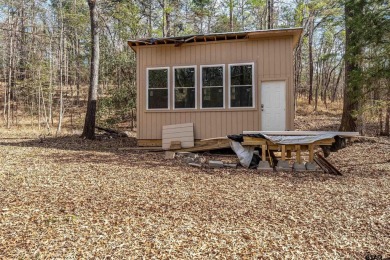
[
  {"x": 147, "y": 89},
  {"x": 223, "y": 85},
  {"x": 195, "y": 87},
  {"x": 253, "y": 84}
]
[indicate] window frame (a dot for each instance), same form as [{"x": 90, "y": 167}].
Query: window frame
[
  {"x": 253, "y": 84},
  {"x": 223, "y": 85},
  {"x": 195, "y": 86},
  {"x": 147, "y": 88}
]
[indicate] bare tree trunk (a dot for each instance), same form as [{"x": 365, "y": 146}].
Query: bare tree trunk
[
  {"x": 242, "y": 9},
  {"x": 61, "y": 112},
  {"x": 5, "y": 91},
  {"x": 337, "y": 84},
  {"x": 39, "y": 101},
  {"x": 167, "y": 22},
  {"x": 51, "y": 85},
  {"x": 78, "y": 68},
  {"x": 10, "y": 68},
  {"x": 165, "y": 17},
  {"x": 387, "y": 119},
  {"x": 90, "y": 117},
  {"x": 150, "y": 28},
  {"x": 231, "y": 22},
  {"x": 311, "y": 66},
  {"x": 45, "y": 114},
  {"x": 316, "y": 88},
  {"x": 330, "y": 76},
  {"x": 270, "y": 14}
]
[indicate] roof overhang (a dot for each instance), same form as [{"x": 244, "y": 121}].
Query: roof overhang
[{"x": 180, "y": 40}]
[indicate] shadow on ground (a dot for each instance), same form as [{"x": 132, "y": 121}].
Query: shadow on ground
[{"x": 74, "y": 143}]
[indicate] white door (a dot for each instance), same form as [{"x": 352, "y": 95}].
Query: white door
[{"x": 273, "y": 106}]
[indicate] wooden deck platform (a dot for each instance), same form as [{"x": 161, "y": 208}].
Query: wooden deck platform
[{"x": 285, "y": 150}]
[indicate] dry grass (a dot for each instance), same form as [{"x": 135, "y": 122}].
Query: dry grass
[{"x": 72, "y": 198}]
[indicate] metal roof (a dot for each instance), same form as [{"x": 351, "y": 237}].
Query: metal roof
[{"x": 179, "y": 40}]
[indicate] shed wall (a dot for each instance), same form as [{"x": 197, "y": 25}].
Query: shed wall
[{"x": 272, "y": 58}]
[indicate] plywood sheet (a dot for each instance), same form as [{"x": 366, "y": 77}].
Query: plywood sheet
[
  {"x": 304, "y": 133},
  {"x": 179, "y": 132}
]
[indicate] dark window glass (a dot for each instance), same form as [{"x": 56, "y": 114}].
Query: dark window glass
[
  {"x": 185, "y": 77},
  {"x": 158, "y": 88},
  {"x": 158, "y": 98},
  {"x": 212, "y": 87},
  {"x": 241, "y": 75},
  {"x": 241, "y": 96},
  {"x": 185, "y": 88},
  {"x": 185, "y": 98},
  {"x": 212, "y": 97},
  {"x": 212, "y": 76},
  {"x": 158, "y": 78},
  {"x": 241, "y": 88}
]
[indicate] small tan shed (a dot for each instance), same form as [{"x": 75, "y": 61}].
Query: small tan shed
[{"x": 223, "y": 83}]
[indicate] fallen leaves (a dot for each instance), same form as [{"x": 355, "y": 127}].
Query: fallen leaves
[{"x": 68, "y": 197}]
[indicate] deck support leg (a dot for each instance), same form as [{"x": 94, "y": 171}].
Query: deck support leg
[
  {"x": 263, "y": 152},
  {"x": 311, "y": 153},
  {"x": 283, "y": 152},
  {"x": 298, "y": 153}
]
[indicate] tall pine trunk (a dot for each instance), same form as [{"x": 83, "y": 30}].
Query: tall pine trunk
[
  {"x": 90, "y": 117},
  {"x": 353, "y": 89}
]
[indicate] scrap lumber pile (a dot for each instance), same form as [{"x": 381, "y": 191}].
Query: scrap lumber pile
[
  {"x": 209, "y": 145},
  {"x": 287, "y": 142},
  {"x": 268, "y": 143},
  {"x": 325, "y": 165}
]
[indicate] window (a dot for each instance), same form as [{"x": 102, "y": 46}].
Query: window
[
  {"x": 241, "y": 85},
  {"x": 185, "y": 87},
  {"x": 158, "y": 90},
  {"x": 212, "y": 79}
]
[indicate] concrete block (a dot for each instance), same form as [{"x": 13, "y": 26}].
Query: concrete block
[
  {"x": 283, "y": 166},
  {"x": 312, "y": 166},
  {"x": 198, "y": 165},
  {"x": 215, "y": 164},
  {"x": 299, "y": 167},
  {"x": 170, "y": 155},
  {"x": 264, "y": 166},
  {"x": 230, "y": 165}
]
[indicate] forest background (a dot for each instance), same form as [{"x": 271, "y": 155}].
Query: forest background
[{"x": 45, "y": 54}]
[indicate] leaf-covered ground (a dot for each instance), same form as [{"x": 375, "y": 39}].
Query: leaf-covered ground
[{"x": 72, "y": 198}]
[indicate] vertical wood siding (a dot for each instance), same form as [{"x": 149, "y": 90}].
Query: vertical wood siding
[{"x": 272, "y": 58}]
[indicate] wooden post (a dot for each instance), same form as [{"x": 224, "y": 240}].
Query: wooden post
[
  {"x": 311, "y": 153},
  {"x": 263, "y": 152},
  {"x": 298, "y": 153},
  {"x": 283, "y": 152}
]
